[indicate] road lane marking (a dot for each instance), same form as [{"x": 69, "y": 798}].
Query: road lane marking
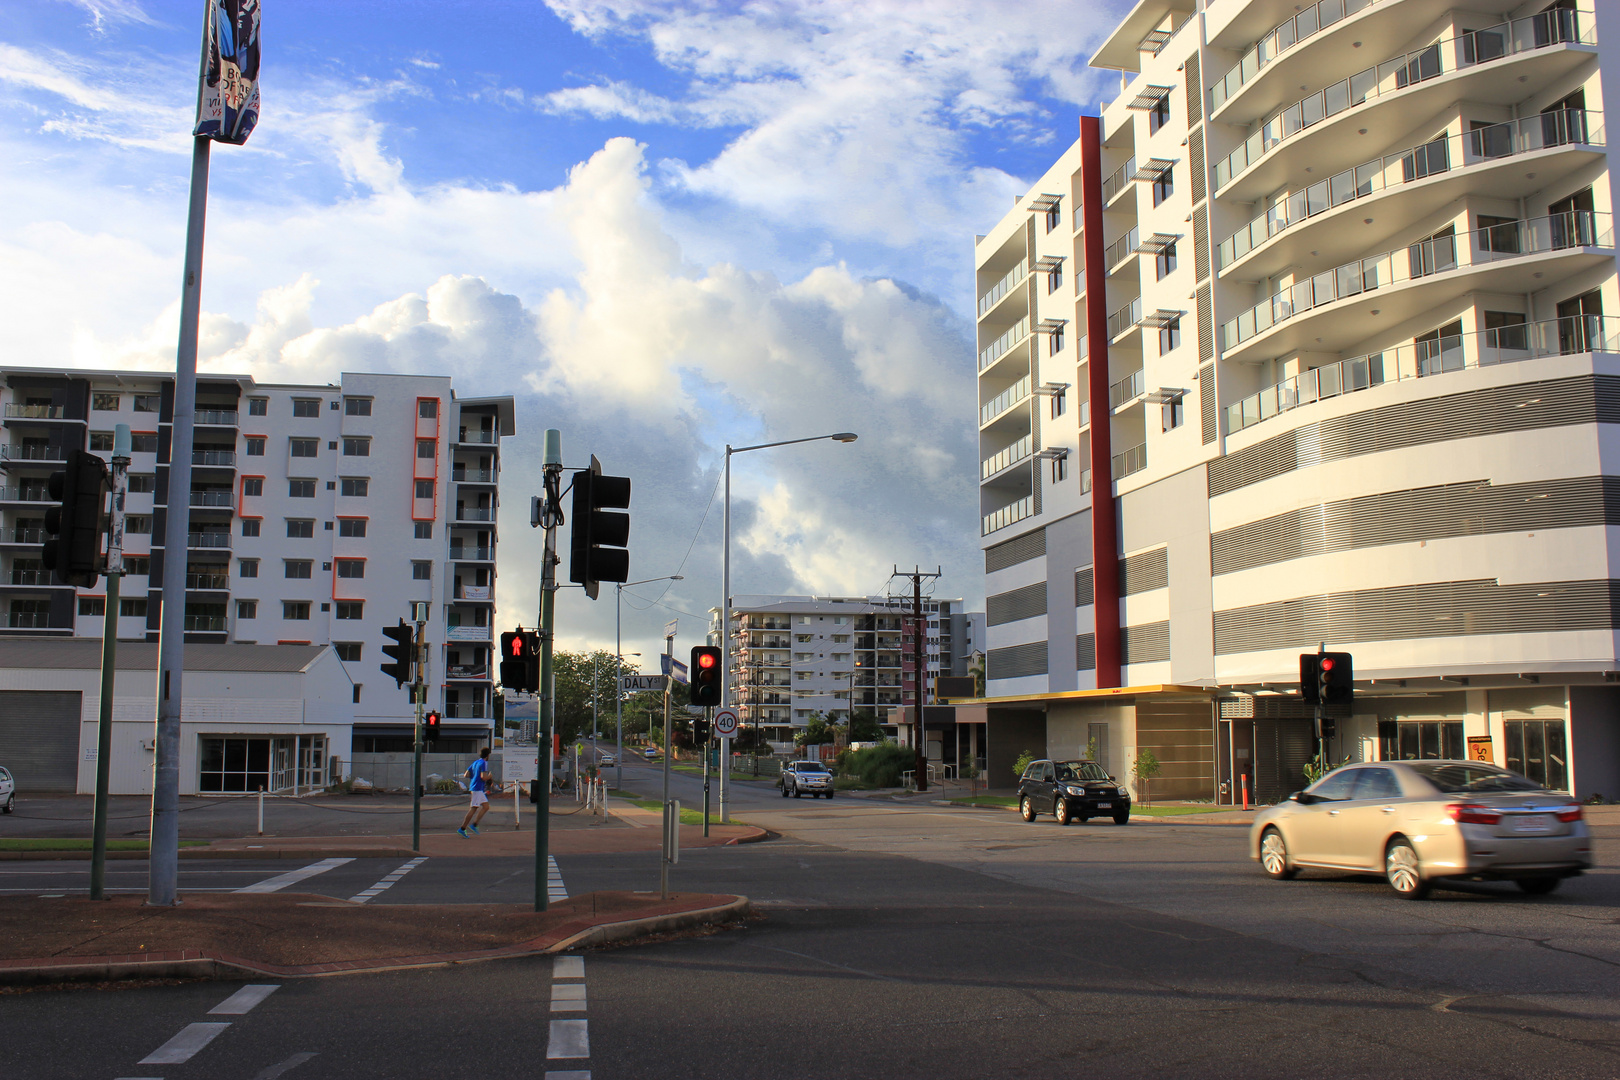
[
  {"x": 567, "y": 997},
  {"x": 570, "y": 1074},
  {"x": 555, "y": 889},
  {"x": 293, "y": 877},
  {"x": 568, "y": 967},
  {"x": 241, "y": 1003},
  {"x": 369, "y": 894},
  {"x": 291, "y": 1063},
  {"x": 569, "y": 1039},
  {"x": 184, "y": 1046}
]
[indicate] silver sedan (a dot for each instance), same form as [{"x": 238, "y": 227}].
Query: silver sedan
[{"x": 1421, "y": 822}]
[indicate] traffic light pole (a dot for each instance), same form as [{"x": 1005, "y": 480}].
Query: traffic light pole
[
  {"x": 109, "y": 661},
  {"x": 418, "y": 694},
  {"x": 551, "y": 517},
  {"x": 669, "y": 686},
  {"x": 708, "y": 743}
]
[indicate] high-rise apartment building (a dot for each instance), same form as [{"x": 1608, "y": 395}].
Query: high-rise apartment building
[
  {"x": 796, "y": 655},
  {"x": 1305, "y": 340},
  {"x": 317, "y": 514}
]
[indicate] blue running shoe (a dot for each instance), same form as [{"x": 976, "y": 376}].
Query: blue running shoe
[
  {"x": 463, "y": 832},
  {"x": 475, "y": 828}
]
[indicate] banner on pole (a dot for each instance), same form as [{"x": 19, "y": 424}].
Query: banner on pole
[{"x": 228, "y": 107}]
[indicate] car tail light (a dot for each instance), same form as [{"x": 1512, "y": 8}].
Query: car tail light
[
  {"x": 1572, "y": 812},
  {"x": 1473, "y": 814}
]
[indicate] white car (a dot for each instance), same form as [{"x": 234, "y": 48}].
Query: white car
[
  {"x": 608, "y": 759},
  {"x": 8, "y": 791}
]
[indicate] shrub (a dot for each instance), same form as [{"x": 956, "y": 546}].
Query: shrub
[
  {"x": 446, "y": 787},
  {"x": 880, "y": 766},
  {"x": 1022, "y": 763}
]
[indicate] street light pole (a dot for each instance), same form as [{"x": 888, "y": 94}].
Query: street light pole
[
  {"x": 618, "y": 654},
  {"x": 725, "y": 602}
]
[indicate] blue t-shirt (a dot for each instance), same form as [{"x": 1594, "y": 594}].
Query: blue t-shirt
[{"x": 480, "y": 775}]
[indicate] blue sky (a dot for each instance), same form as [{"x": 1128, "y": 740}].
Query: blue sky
[{"x": 662, "y": 225}]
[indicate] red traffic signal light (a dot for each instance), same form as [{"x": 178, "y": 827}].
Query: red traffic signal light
[
  {"x": 430, "y": 726},
  {"x": 706, "y": 660},
  {"x": 1325, "y": 664},
  {"x": 705, "y": 675},
  {"x": 1326, "y": 678}
]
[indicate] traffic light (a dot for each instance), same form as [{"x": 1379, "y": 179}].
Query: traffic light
[
  {"x": 700, "y": 731},
  {"x": 705, "y": 675},
  {"x": 599, "y": 549},
  {"x": 430, "y": 727},
  {"x": 73, "y": 549},
  {"x": 403, "y": 651},
  {"x": 514, "y": 663},
  {"x": 1326, "y": 678}
]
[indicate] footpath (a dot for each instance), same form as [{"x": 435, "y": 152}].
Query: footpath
[{"x": 289, "y": 935}]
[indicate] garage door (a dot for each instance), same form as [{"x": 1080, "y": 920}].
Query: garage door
[{"x": 39, "y": 738}]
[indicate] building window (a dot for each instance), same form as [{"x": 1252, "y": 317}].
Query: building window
[
  {"x": 297, "y": 568},
  {"x": 142, "y": 483},
  {"x": 253, "y": 486},
  {"x": 104, "y": 402},
  {"x": 1060, "y": 403},
  {"x": 356, "y": 487},
  {"x": 101, "y": 442},
  {"x": 351, "y": 568},
  {"x": 357, "y": 406},
  {"x": 427, "y": 408},
  {"x": 426, "y": 448},
  {"x": 306, "y": 406},
  {"x": 258, "y": 406},
  {"x": 254, "y": 445},
  {"x": 1054, "y": 216},
  {"x": 300, "y": 528},
  {"x": 247, "y": 609},
  {"x": 1163, "y": 185},
  {"x": 295, "y": 610},
  {"x": 301, "y": 489},
  {"x": 250, "y": 526},
  {"x": 1054, "y": 278},
  {"x": 247, "y": 568},
  {"x": 424, "y": 489},
  {"x": 424, "y": 530},
  {"x": 143, "y": 442},
  {"x": 305, "y": 447},
  {"x": 348, "y": 651},
  {"x": 1055, "y": 345},
  {"x": 352, "y": 527},
  {"x": 134, "y": 609},
  {"x": 137, "y": 565},
  {"x": 421, "y": 570},
  {"x": 93, "y": 605},
  {"x": 1505, "y": 330},
  {"x": 1174, "y": 415},
  {"x": 1165, "y": 261},
  {"x": 1060, "y": 469},
  {"x": 138, "y": 524},
  {"x": 356, "y": 447},
  {"x": 351, "y": 609},
  {"x": 1169, "y": 336},
  {"x": 1159, "y": 115},
  {"x": 357, "y": 693},
  {"x": 148, "y": 402}
]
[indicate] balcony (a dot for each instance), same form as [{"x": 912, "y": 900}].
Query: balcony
[
  {"x": 1426, "y": 259},
  {"x": 212, "y": 498},
  {"x": 28, "y": 620},
  {"x": 37, "y": 578},
  {"x": 1005, "y": 400},
  {"x": 1119, "y": 181},
  {"x": 473, "y": 476},
  {"x": 215, "y": 417},
  {"x": 1001, "y": 289},
  {"x": 25, "y": 493},
  {"x": 472, "y": 554},
  {"x": 208, "y": 540},
  {"x": 1131, "y": 461},
  {"x": 1121, "y": 249},
  {"x": 475, "y": 437},
  {"x": 1131, "y": 386},
  {"x": 1012, "y": 513},
  {"x": 1485, "y": 146},
  {"x": 465, "y": 711},
  {"x": 216, "y": 582},
  {"x": 1402, "y": 72},
  {"x": 205, "y": 624},
  {"x": 26, "y": 536},
  {"x": 35, "y": 412},
  {"x": 31, "y": 452},
  {"x": 475, "y": 513},
  {"x": 1125, "y": 319},
  {"x": 1282, "y": 37},
  {"x": 478, "y": 593},
  {"x": 468, "y": 672},
  {"x": 1003, "y": 344},
  {"x": 1017, "y": 452},
  {"x": 459, "y": 632},
  {"x": 214, "y": 457},
  {"x": 1503, "y": 345}
]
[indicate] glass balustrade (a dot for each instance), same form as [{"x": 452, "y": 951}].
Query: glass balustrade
[
  {"x": 1000, "y": 519},
  {"x": 1000, "y": 289},
  {"x": 1125, "y": 318},
  {"x": 1118, "y": 181},
  {"x": 1119, "y": 249},
  {"x": 993, "y": 464},
  {"x": 1131, "y": 386},
  {"x": 1131, "y": 461},
  {"x": 999, "y": 347},
  {"x": 1282, "y": 37},
  {"x": 1005, "y": 400}
]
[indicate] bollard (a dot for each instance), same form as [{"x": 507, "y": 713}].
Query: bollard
[
  {"x": 261, "y": 809},
  {"x": 1245, "y": 791}
]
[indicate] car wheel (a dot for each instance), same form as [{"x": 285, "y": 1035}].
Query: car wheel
[
  {"x": 829, "y": 794},
  {"x": 1061, "y": 812},
  {"x": 1402, "y": 869},
  {"x": 1274, "y": 856},
  {"x": 1122, "y": 817},
  {"x": 797, "y": 794},
  {"x": 1026, "y": 808},
  {"x": 1535, "y": 886},
  {"x": 784, "y": 789}
]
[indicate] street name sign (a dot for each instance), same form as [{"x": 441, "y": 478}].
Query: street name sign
[
  {"x": 675, "y": 668},
  {"x": 635, "y": 684}
]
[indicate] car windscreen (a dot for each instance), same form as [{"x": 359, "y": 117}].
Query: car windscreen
[
  {"x": 810, "y": 766},
  {"x": 1456, "y": 778},
  {"x": 1081, "y": 770}
]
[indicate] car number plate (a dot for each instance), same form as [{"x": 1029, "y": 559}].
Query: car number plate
[
  {"x": 1105, "y": 806},
  {"x": 1533, "y": 823}
]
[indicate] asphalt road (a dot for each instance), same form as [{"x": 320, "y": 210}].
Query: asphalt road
[{"x": 923, "y": 941}]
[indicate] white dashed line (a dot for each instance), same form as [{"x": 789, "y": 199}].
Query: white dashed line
[
  {"x": 293, "y": 877},
  {"x": 571, "y": 1074},
  {"x": 568, "y": 967},
  {"x": 241, "y": 1003},
  {"x": 568, "y": 997},
  {"x": 192, "y": 1038},
  {"x": 569, "y": 1039},
  {"x": 381, "y": 886},
  {"x": 555, "y": 890}
]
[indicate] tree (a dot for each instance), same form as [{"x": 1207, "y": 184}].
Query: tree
[
  {"x": 816, "y": 732},
  {"x": 574, "y": 674},
  {"x": 1146, "y": 767},
  {"x": 976, "y": 669},
  {"x": 864, "y": 727},
  {"x": 1022, "y": 763}
]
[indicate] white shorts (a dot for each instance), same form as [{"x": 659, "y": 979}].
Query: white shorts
[{"x": 479, "y": 798}]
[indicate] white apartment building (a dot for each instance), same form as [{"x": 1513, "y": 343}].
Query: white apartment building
[
  {"x": 317, "y": 514},
  {"x": 1304, "y": 341},
  {"x": 796, "y": 655}
]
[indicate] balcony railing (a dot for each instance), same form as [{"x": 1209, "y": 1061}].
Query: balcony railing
[
  {"x": 474, "y": 711},
  {"x": 1438, "y": 255},
  {"x": 998, "y": 519},
  {"x": 473, "y": 476},
  {"x": 17, "y": 493},
  {"x": 993, "y": 464},
  {"x": 35, "y": 412},
  {"x": 1548, "y": 28},
  {"x": 1503, "y": 345},
  {"x": 1132, "y": 385},
  {"x": 208, "y": 581},
  {"x": 474, "y": 513},
  {"x": 1116, "y": 252},
  {"x": 28, "y": 620},
  {"x": 28, "y": 536},
  {"x": 999, "y": 347},
  {"x": 473, "y": 554},
  {"x": 1001, "y": 288},
  {"x": 218, "y": 417},
  {"x": 213, "y": 457},
  {"x": 212, "y": 498},
  {"x": 208, "y": 540},
  {"x": 30, "y": 577},
  {"x": 1005, "y": 400},
  {"x": 466, "y": 436},
  {"x": 1131, "y": 461},
  {"x": 1567, "y": 127},
  {"x": 468, "y": 671},
  {"x": 1125, "y": 318},
  {"x": 31, "y": 452},
  {"x": 1282, "y": 38},
  {"x": 1119, "y": 180},
  {"x": 205, "y": 624}
]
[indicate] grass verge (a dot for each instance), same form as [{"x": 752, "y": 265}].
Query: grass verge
[
  {"x": 986, "y": 800},
  {"x": 688, "y": 816},
  {"x": 41, "y": 843},
  {"x": 1176, "y": 811}
]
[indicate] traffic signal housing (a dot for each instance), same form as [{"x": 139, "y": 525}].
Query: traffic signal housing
[
  {"x": 1327, "y": 678},
  {"x": 402, "y": 649},
  {"x": 705, "y": 675},
  {"x": 599, "y": 545},
  {"x": 73, "y": 548},
  {"x": 430, "y": 726},
  {"x": 700, "y": 731}
]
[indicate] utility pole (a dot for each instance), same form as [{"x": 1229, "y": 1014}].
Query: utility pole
[
  {"x": 669, "y": 686},
  {"x": 551, "y": 516},
  {"x": 919, "y": 631},
  {"x": 418, "y": 695},
  {"x": 109, "y": 661}
]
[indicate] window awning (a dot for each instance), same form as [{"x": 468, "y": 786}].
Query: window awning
[
  {"x": 1153, "y": 168},
  {"x": 1157, "y": 243},
  {"x": 1051, "y": 325},
  {"x": 1049, "y": 262},
  {"x": 1162, "y": 317},
  {"x": 1150, "y": 96},
  {"x": 1166, "y": 394},
  {"x": 1045, "y": 201}
]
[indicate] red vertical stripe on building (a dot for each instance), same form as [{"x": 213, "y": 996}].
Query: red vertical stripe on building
[{"x": 1104, "y": 535}]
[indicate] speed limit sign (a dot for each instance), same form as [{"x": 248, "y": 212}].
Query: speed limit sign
[{"x": 725, "y": 723}]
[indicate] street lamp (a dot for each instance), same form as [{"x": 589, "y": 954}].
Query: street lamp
[
  {"x": 618, "y": 644},
  {"x": 725, "y": 600}
]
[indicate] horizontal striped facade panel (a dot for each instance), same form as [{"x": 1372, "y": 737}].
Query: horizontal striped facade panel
[
  {"x": 1085, "y": 652},
  {"x": 1473, "y": 508},
  {"x": 1145, "y": 644},
  {"x": 1025, "y": 603},
  {"x": 1431, "y": 609},
  {"x": 1031, "y": 545},
  {"x": 1085, "y": 592},
  {"x": 1144, "y": 571},
  {"x": 1582, "y": 399},
  {"x": 1016, "y": 661}
]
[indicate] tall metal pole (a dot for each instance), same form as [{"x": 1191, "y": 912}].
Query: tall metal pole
[
  {"x": 918, "y": 730},
  {"x": 550, "y": 518},
  {"x": 109, "y": 661},
  {"x": 618, "y": 694},
  {"x": 418, "y": 694},
  {"x": 725, "y": 643},
  {"x": 669, "y": 684}
]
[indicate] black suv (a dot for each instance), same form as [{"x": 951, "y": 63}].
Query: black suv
[{"x": 1070, "y": 790}]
